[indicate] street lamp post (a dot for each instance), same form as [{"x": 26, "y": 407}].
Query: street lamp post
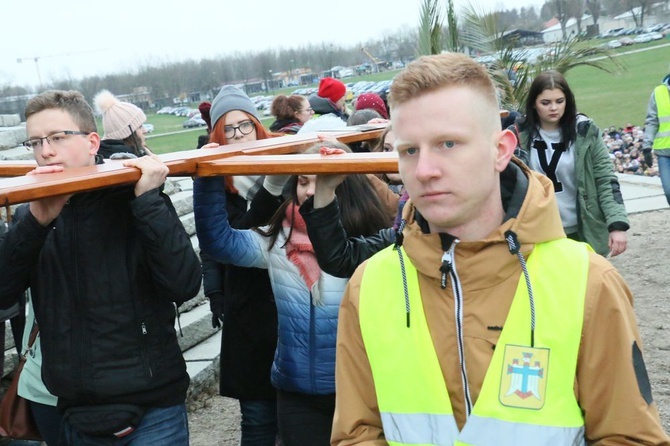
[
  {"x": 290, "y": 76},
  {"x": 270, "y": 83}
]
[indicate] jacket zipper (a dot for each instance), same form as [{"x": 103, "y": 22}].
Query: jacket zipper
[
  {"x": 448, "y": 261},
  {"x": 312, "y": 342},
  {"x": 77, "y": 302},
  {"x": 145, "y": 358}
]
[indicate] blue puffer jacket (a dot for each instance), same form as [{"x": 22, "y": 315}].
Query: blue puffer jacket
[{"x": 305, "y": 356}]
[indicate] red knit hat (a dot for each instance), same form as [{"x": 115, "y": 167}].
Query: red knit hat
[
  {"x": 331, "y": 88},
  {"x": 374, "y": 102}
]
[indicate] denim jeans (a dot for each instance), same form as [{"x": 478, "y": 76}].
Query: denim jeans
[
  {"x": 159, "y": 426},
  {"x": 664, "y": 172},
  {"x": 49, "y": 421},
  {"x": 259, "y": 422}
]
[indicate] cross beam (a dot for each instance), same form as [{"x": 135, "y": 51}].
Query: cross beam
[{"x": 269, "y": 156}]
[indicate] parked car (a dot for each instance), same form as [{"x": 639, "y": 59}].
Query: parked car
[
  {"x": 627, "y": 40},
  {"x": 642, "y": 38},
  {"x": 655, "y": 35},
  {"x": 148, "y": 128},
  {"x": 613, "y": 44},
  {"x": 165, "y": 111},
  {"x": 194, "y": 122}
]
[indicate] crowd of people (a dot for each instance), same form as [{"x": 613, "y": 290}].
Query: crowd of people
[
  {"x": 625, "y": 146},
  {"x": 458, "y": 302}
]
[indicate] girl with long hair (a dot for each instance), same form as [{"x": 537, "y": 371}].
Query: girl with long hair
[
  {"x": 307, "y": 299},
  {"x": 568, "y": 148}
]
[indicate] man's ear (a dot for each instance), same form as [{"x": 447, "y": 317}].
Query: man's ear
[
  {"x": 505, "y": 149},
  {"x": 94, "y": 140}
]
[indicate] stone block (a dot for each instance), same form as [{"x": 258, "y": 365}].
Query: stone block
[
  {"x": 9, "y": 120},
  {"x": 12, "y": 137}
]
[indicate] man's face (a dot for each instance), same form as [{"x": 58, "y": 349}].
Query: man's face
[
  {"x": 60, "y": 149},
  {"x": 449, "y": 157}
]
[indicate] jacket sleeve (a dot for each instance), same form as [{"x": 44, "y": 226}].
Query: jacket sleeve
[
  {"x": 607, "y": 183},
  {"x": 262, "y": 208},
  {"x": 357, "y": 420},
  {"x": 217, "y": 238},
  {"x": 174, "y": 265},
  {"x": 338, "y": 255},
  {"x": 20, "y": 248},
  {"x": 650, "y": 124},
  {"x": 612, "y": 382}
]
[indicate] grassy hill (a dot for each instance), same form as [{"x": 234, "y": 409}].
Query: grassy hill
[{"x": 615, "y": 99}]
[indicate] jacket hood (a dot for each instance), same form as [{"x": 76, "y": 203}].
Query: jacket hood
[
  {"x": 666, "y": 80},
  {"x": 109, "y": 147},
  {"x": 531, "y": 213},
  {"x": 321, "y": 105}
]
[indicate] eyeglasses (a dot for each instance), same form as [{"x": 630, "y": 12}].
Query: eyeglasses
[
  {"x": 308, "y": 110},
  {"x": 245, "y": 128},
  {"x": 55, "y": 139}
]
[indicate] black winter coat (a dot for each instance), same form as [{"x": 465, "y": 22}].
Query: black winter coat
[
  {"x": 336, "y": 254},
  {"x": 105, "y": 277},
  {"x": 249, "y": 333}
]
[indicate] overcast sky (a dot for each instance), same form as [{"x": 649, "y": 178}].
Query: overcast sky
[{"x": 76, "y": 38}]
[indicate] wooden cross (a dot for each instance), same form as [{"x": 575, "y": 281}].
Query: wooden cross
[{"x": 266, "y": 157}]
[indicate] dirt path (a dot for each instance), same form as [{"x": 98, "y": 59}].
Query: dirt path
[{"x": 644, "y": 266}]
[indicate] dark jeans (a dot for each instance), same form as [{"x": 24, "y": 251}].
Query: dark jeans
[
  {"x": 48, "y": 420},
  {"x": 159, "y": 426},
  {"x": 259, "y": 422},
  {"x": 305, "y": 420},
  {"x": 664, "y": 172}
]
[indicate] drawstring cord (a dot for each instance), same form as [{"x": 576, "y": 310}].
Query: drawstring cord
[
  {"x": 515, "y": 248},
  {"x": 397, "y": 246}
]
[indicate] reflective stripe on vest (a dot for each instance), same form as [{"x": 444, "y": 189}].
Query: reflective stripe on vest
[
  {"x": 662, "y": 138},
  {"x": 412, "y": 395}
]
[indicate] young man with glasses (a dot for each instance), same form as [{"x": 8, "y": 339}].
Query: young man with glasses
[{"x": 106, "y": 269}]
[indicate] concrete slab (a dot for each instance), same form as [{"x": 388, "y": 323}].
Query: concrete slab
[{"x": 642, "y": 194}]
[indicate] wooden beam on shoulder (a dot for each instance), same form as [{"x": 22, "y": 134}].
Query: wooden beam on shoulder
[{"x": 256, "y": 156}]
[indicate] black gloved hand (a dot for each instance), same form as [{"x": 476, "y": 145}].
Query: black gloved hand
[
  {"x": 216, "y": 307},
  {"x": 648, "y": 159}
]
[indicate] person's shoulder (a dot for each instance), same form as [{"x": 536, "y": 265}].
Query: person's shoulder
[{"x": 605, "y": 285}]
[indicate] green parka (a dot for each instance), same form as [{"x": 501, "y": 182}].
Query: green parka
[{"x": 600, "y": 207}]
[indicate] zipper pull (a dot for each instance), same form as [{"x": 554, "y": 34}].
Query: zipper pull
[
  {"x": 445, "y": 268},
  {"x": 144, "y": 329}
]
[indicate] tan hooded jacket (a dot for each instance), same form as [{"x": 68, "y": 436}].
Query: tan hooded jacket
[{"x": 606, "y": 385}]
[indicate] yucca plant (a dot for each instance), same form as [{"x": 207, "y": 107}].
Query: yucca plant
[{"x": 430, "y": 28}]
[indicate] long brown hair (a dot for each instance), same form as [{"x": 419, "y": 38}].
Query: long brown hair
[
  {"x": 361, "y": 210},
  {"x": 218, "y": 135}
]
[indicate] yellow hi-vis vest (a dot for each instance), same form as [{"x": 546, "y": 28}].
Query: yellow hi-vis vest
[
  {"x": 662, "y": 138},
  {"x": 527, "y": 397}
]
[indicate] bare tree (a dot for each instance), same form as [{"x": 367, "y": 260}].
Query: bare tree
[
  {"x": 576, "y": 9},
  {"x": 561, "y": 11},
  {"x": 593, "y": 7}
]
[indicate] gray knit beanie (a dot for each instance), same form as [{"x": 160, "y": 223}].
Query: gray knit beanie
[
  {"x": 231, "y": 98},
  {"x": 119, "y": 119}
]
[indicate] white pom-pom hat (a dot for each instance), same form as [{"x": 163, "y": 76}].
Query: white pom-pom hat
[{"x": 119, "y": 119}]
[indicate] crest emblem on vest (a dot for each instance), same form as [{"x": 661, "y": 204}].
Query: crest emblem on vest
[{"x": 524, "y": 378}]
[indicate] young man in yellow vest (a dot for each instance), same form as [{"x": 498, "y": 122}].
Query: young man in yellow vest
[
  {"x": 483, "y": 324},
  {"x": 657, "y": 132}
]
